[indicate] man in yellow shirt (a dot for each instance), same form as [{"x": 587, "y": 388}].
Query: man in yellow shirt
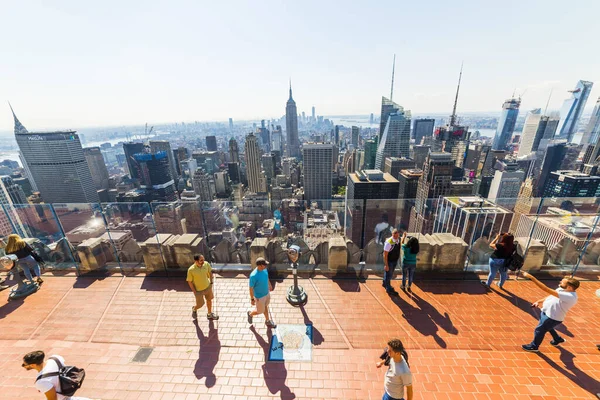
[{"x": 200, "y": 278}]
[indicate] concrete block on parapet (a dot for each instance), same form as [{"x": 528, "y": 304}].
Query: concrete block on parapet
[
  {"x": 152, "y": 251},
  {"x": 441, "y": 252},
  {"x": 337, "y": 256},
  {"x": 536, "y": 255},
  {"x": 186, "y": 246},
  {"x": 94, "y": 253},
  {"x": 258, "y": 248}
]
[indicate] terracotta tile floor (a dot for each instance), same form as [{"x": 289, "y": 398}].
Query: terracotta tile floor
[{"x": 463, "y": 342}]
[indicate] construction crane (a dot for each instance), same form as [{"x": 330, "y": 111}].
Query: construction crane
[{"x": 148, "y": 132}]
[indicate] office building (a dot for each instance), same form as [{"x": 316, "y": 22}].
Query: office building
[
  {"x": 422, "y": 128},
  {"x": 395, "y": 141},
  {"x": 506, "y": 124},
  {"x": 234, "y": 152},
  {"x": 56, "y": 163},
  {"x": 253, "y": 167},
  {"x": 591, "y": 136},
  {"x": 317, "y": 161},
  {"x": 264, "y": 137},
  {"x": 371, "y": 153},
  {"x": 387, "y": 107},
  {"x": 203, "y": 187},
  {"x": 95, "y": 161},
  {"x": 559, "y": 155},
  {"x": 234, "y": 172},
  {"x": 408, "y": 182},
  {"x": 188, "y": 167},
  {"x": 154, "y": 171},
  {"x": 314, "y": 117},
  {"x": 505, "y": 186},
  {"x": 355, "y": 136},
  {"x": 164, "y": 145},
  {"x": 180, "y": 154},
  {"x": 393, "y": 165},
  {"x": 291, "y": 124},
  {"x": 371, "y": 199},
  {"x": 129, "y": 149},
  {"x": 211, "y": 143},
  {"x": 230, "y": 124},
  {"x": 435, "y": 181},
  {"x": 572, "y": 109},
  {"x": 571, "y": 184},
  {"x": 222, "y": 183},
  {"x": 268, "y": 164},
  {"x": 533, "y": 131},
  {"x": 276, "y": 140}
]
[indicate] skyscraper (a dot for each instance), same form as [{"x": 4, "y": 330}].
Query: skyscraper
[
  {"x": 532, "y": 131},
  {"x": 253, "y": 169},
  {"x": 435, "y": 181},
  {"x": 154, "y": 171},
  {"x": 314, "y": 117},
  {"x": 164, "y": 145},
  {"x": 571, "y": 184},
  {"x": 355, "y": 136},
  {"x": 371, "y": 152},
  {"x": 387, "y": 107},
  {"x": 180, "y": 154},
  {"x": 57, "y": 165},
  {"x": 12, "y": 195},
  {"x": 95, "y": 161},
  {"x": 317, "y": 161},
  {"x": 572, "y": 109},
  {"x": 505, "y": 186},
  {"x": 506, "y": 125},
  {"x": 234, "y": 152},
  {"x": 230, "y": 124},
  {"x": 423, "y": 128},
  {"x": 291, "y": 124},
  {"x": 591, "y": 136},
  {"x": 276, "y": 139},
  {"x": 130, "y": 149},
  {"x": 395, "y": 141},
  {"x": 211, "y": 143},
  {"x": 201, "y": 182}
]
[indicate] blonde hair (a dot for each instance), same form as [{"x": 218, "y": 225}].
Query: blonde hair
[{"x": 14, "y": 244}]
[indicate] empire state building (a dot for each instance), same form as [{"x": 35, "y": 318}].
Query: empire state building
[{"x": 291, "y": 124}]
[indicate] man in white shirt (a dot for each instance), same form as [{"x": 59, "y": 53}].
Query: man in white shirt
[
  {"x": 50, "y": 385},
  {"x": 554, "y": 310}
]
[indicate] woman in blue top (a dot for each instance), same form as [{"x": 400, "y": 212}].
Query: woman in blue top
[{"x": 409, "y": 260}]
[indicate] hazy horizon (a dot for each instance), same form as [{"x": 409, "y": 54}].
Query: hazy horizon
[{"x": 74, "y": 65}]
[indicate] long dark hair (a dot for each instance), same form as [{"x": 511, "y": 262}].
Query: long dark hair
[
  {"x": 508, "y": 242},
  {"x": 413, "y": 245},
  {"x": 396, "y": 345}
]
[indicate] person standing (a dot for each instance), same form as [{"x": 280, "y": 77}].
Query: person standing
[
  {"x": 260, "y": 288},
  {"x": 409, "y": 260},
  {"x": 200, "y": 278},
  {"x": 391, "y": 255},
  {"x": 49, "y": 385},
  {"x": 398, "y": 375},
  {"x": 27, "y": 262},
  {"x": 503, "y": 246},
  {"x": 554, "y": 310}
]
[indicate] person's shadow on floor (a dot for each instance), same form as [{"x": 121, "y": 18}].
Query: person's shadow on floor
[
  {"x": 208, "y": 355},
  {"x": 571, "y": 371},
  {"x": 419, "y": 319},
  {"x": 274, "y": 372}
]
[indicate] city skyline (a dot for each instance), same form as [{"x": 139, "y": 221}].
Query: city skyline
[{"x": 131, "y": 73}]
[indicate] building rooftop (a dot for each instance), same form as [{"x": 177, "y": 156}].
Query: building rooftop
[{"x": 371, "y": 176}]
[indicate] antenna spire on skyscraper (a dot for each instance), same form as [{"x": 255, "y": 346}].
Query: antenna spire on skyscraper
[
  {"x": 19, "y": 128},
  {"x": 290, "y": 88},
  {"x": 393, "y": 70},
  {"x": 548, "y": 102},
  {"x": 453, "y": 116}
]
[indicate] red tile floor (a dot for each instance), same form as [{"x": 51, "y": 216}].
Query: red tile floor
[{"x": 463, "y": 342}]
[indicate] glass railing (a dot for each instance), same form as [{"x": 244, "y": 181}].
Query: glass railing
[{"x": 335, "y": 236}]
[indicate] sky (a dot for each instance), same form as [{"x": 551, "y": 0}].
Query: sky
[{"x": 70, "y": 63}]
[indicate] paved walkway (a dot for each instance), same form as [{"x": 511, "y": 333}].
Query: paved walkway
[{"x": 463, "y": 342}]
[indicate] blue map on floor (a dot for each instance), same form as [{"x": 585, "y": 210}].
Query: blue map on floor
[{"x": 291, "y": 343}]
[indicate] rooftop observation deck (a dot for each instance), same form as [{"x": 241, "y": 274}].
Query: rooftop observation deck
[{"x": 463, "y": 341}]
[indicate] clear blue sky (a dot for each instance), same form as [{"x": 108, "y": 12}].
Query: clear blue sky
[{"x": 76, "y": 63}]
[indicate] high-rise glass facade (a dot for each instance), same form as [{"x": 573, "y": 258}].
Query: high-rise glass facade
[
  {"x": 572, "y": 109},
  {"x": 506, "y": 125}
]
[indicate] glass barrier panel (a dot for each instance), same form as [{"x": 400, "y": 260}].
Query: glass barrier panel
[
  {"x": 130, "y": 227},
  {"x": 85, "y": 230},
  {"x": 38, "y": 224}
]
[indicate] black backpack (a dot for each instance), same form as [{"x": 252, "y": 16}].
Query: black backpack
[
  {"x": 69, "y": 378},
  {"x": 514, "y": 262}
]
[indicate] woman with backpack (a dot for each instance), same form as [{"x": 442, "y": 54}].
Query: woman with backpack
[
  {"x": 27, "y": 257},
  {"x": 503, "y": 246},
  {"x": 409, "y": 260}
]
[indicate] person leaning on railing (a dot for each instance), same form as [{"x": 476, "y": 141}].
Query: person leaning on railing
[
  {"x": 27, "y": 257},
  {"x": 503, "y": 246}
]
